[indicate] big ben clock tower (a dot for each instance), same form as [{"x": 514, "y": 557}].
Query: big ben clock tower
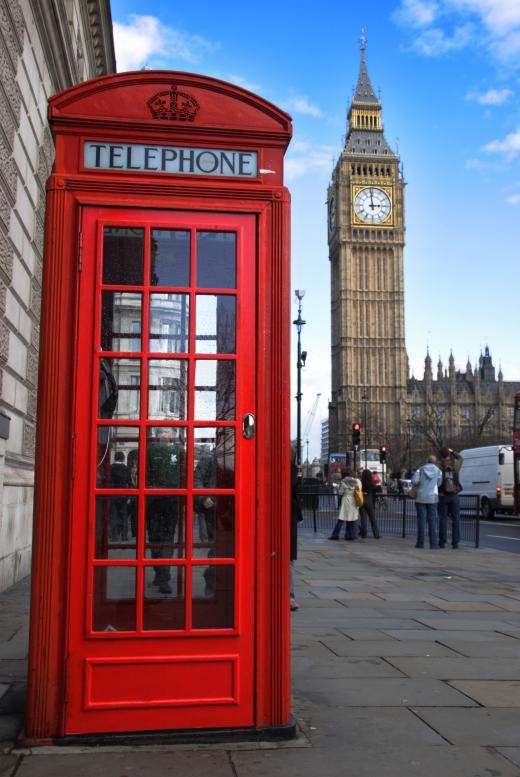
[{"x": 366, "y": 241}]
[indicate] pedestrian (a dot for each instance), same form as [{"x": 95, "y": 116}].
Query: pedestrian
[
  {"x": 449, "y": 489},
  {"x": 427, "y": 480},
  {"x": 348, "y": 511},
  {"x": 296, "y": 518},
  {"x": 368, "y": 510},
  {"x": 119, "y": 478},
  {"x": 165, "y": 469}
]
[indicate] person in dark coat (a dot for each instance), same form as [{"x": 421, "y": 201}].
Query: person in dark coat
[
  {"x": 119, "y": 478},
  {"x": 369, "y": 505},
  {"x": 296, "y": 517}
]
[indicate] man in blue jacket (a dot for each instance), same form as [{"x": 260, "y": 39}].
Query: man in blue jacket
[{"x": 427, "y": 480}]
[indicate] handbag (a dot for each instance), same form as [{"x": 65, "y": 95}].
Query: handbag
[
  {"x": 412, "y": 493},
  {"x": 358, "y": 497}
]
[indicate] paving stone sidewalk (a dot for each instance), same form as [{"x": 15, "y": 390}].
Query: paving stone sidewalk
[{"x": 405, "y": 662}]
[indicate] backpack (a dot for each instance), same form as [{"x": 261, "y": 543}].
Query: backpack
[{"x": 450, "y": 484}]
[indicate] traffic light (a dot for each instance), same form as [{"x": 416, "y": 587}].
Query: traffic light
[
  {"x": 382, "y": 453},
  {"x": 356, "y": 434}
]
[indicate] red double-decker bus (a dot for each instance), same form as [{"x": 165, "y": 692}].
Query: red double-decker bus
[{"x": 516, "y": 450}]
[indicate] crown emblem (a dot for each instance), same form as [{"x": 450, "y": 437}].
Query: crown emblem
[{"x": 173, "y": 105}]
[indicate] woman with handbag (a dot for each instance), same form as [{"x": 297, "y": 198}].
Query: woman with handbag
[{"x": 351, "y": 499}]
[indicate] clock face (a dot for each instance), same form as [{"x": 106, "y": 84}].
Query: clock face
[
  {"x": 332, "y": 213},
  {"x": 372, "y": 205}
]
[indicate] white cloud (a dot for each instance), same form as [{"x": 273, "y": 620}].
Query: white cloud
[
  {"x": 304, "y": 159},
  {"x": 302, "y": 105},
  {"x": 417, "y": 13},
  {"x": 145, "y": 40},
  {"x": 513, "y": 199},
  {"x": 509, "y": 146},
  {"x": 434, "y": 42},
  {"x": 492, "y": 96},
  {"x": 243, "y": 82},
  {"x": 447, "y": 25}
]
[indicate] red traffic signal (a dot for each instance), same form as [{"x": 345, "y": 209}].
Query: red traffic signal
[
  {"x": 356, "y": 434},
  {"x": 382, "y": 453}
]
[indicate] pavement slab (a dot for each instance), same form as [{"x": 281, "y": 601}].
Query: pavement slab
[
  {"x": 385, "y": 648},
  {"x": 483, "y": 727},
  {"x": 342, "y": 667},
  {"x": 460, "y": 668},
  {"x": 365, "y": 761},
  {"x": 138, "y": 763},
  {"x": 490, "y": 693},
  {"x": 7, "y": 765},
  {"x": 381, "y": 692},
  {"x": 443, "y": 635},
  {"x": 484, "y": 649}
]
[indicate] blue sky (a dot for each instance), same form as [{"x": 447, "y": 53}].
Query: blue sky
[{"x": 449, "y": 74}]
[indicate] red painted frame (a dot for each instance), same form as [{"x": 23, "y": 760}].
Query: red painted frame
[{"x": 112, "y": 108}]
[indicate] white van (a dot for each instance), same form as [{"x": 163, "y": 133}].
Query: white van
[{"x": 488, "y": 473}]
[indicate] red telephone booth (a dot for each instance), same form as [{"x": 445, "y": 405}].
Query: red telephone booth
[{"x": 161, "y": 543}]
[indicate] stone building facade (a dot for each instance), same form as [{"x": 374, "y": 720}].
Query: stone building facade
[
  {"x": 464, "y": 408},
  {"x": 45, "y": 47},
  {"x": 370, "y": 372}
]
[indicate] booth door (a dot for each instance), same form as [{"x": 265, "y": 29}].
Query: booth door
[{"x": 161, "y": 607}]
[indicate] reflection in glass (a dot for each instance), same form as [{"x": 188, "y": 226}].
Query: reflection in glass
[
  {"x": 165, "y": 528},
  {"x": 168, "y": 389},
  {"x": 117, "y": 457},
  {"x": 116, "y": 523},
  {"x": 214, "y": 390},
  {"x": 169, "y": 323},
  {"x": 213, "y": 597},
  {"x": 214, "y": 457},
  {"x": 123, "y": 256},
  {"x": 114, "y": 599},
  {"x": 120, "y": 321},
  {"x": 213, "y": 524},
  {"x": 164, "y": 610},
  {"x": 215, "y": 328},
  {"x": 170, "y": 258},
  {"x": 216, "y": 260},
  {"x": 166, "y": 457},
  {"x": 119, "y": 388}
]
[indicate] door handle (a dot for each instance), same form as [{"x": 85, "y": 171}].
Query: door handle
[{"x": 248, "y": 426}]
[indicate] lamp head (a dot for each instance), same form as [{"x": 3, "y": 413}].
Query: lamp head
[{"x": 300, "y": 293}]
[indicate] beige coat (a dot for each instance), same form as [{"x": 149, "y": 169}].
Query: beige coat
[{"x": 348, "y": 510}]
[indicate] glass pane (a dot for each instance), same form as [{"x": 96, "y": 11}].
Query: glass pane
[
  {"x": 213, "y": 597},
  {"x": 214, "y": 390},
  {"x": 165, "y": 527},
  {"x": 123, "y": 256},
  {"x": 213, "y": 525},
  {"x": 119, "y": 388},
  {"x": 164, "y": 598},
  {"x": 117, "y": 457},
  {"x": 168, "y": 389},
  {"x": 216, "y": 260},
  {"x": 170, "y": 258},
  {"x": 166, "y": 457},
  {"x": 214, "y": 457},
  {"x": 169, "y": 323},
  {"x": 116, "y": 522},
  {"x": 114, "y": 599},
  {"x": 215, "y": 329},
  {"x": 120, "y": 321}
]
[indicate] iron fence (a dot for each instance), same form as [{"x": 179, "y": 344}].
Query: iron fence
[{"x": 395, "y": 514}]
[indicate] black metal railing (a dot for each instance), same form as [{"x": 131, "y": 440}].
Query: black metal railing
[{"x": 395, "y": 514}]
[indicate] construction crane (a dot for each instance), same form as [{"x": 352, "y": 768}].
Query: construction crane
[{"x": 308, "y": 425}]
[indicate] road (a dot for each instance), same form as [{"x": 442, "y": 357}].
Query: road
[{"x": 502, "y": 533}]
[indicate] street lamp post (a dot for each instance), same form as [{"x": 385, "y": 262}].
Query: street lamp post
[
  {"x": 300, "y": 362},
  {"x": 409, "y": 424},
  {"x": 365, "y": 400}
]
